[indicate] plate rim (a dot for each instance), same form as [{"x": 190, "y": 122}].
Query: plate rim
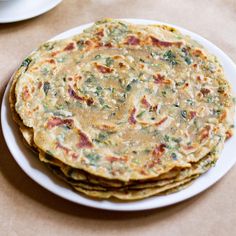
[
  {"x": 43, "y": 10},
  {"x": 124, "y": 206}
]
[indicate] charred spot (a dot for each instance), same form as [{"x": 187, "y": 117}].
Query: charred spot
[
  {"x": 103, "y": 69},
  {"x": 132, "y": 119},
  {"x": 132, "y": 40},
  {"x": 69, "y": 47},
  {"x": 160, "y": 43},
  {"x": 89, "y": 101},
  {"x": 108, "y": 45},
  {"x": 205, "y": 91}
]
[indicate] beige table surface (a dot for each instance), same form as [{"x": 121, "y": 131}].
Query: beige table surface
[{"x": 28, "y": 209}]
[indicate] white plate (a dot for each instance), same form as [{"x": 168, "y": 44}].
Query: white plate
[
  {"x": 17, "y": 10},
  {"x": 38, "y": 172}
]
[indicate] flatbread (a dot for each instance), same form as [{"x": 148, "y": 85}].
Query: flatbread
[
  {"x": 124, "y": 111},
  {"x": 66, "y": 95}
]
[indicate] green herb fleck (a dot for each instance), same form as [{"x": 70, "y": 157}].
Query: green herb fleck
[
  {"x": 188, "y": 60},
  {"x": 98, "y": 90},
  {"x": 176, "y": 140},
  {"x": 190, "y": 102},
  {"x": 141, "y": 59},
  {"x": 170, "y": 57},
  {"x": 210, "y": 99},
  {"x": 45, "y": 70},
  {"x": 176, "y": 105},
  {"x": 102, "y": 136},
  {"x": 46, "y": 87},
  {"x": 48, "y": 46},
  {"x": 140, "y": 114},
  {"x": 97, "y": 56},
  {"x": 93, "y": 158},
  {"x": 164, "y": 93},
  {"x": 109, "y": 61},
  {"x": 174, "y": 156},
  {"x": 166, "y": 138},
  {"x": 101, "y": 101},
  {"x": 147, "y": 150},
  {"x": 180, "y": 83},
  {"x": 216, "y": 112},
  {"x": 184, "y": 114},
  {"x": 112, "y": 90},
  {"x": 128, "y": 87},
  {"x": 154, "y": 54},
  {"x": 61, "y": 59},
  {"x": 105, "y": 106},
  {"x": 80, "y": 44},
  {"x": 26, "y": 63}
]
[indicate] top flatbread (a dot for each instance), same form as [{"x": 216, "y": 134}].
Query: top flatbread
[{"x": 124, "y": 101}]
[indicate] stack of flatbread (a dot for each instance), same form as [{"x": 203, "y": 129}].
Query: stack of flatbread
[{"x": 122, "y": 110}]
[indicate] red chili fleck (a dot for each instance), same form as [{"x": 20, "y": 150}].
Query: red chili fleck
[
  {"x": 113, "y": 159},
  {"x": 56, "y": 121},
  {"x": 74, "y": 156},
  {"x": 223, "y": 116},
  {"x": 143, "y": 172},
  {"x": 100, "y": 33},
  {"x": 53, "y": 54},
  {"x": 160, "y": 79},
  {"x": 161, "y": 121},
  {"x": 159, "y": 150},
  {"x": 228, "y": 134},
  {"x": 132, "y": 40},
  {"x": 58, "y": 145},
  {"x": 25, "y": 94},
  {"x": 192, "y": 114},
  {"x": 198, "y": 78},
  {"x": 198, "y": 53},
  {"x": 205, "y": 91},
  {"x": 88, "y": 43},
  {"x": 132, "y": 120},
  {"x": 103, "y": 69},
  {"x": 40, "y": 84},
  {"x": 89, "y": 101},
  {"x": 84, "y": 141},
  {"x": 51, "y": 61},
  {"x": 69, "y": 47},
  {"x": 145, "y": 102},
  {"x": 205, "y": 132},
  {"x": 108, "y": 45},
  {"x": 159, "y": 43},
  {"x": 121, "y": 65},
  {"x": 73, "y": 94},
  {"x": 188, "y": 147}
]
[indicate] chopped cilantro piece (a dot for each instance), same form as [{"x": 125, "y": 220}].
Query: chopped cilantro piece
[
  {"x": 46, "y": 87},
  {"x": 128, "y": 87},
  {"x": 184, "y": 114},
  {"x": 170, "y": 57},
  {"x": 109, "y": 61},
  {"x": 140, "y": 114}
]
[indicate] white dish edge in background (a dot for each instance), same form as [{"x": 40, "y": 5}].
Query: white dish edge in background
[
  {"x": 38, "y": 172},
  {"x": 14, "y": 11}
]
